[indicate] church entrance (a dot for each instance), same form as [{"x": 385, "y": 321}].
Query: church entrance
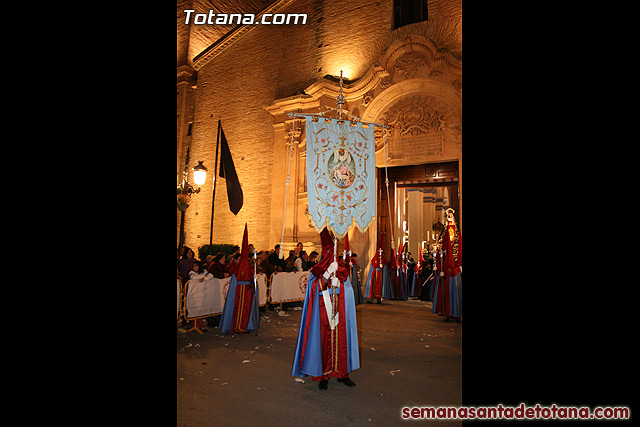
[{"x": 418, "y": 197}]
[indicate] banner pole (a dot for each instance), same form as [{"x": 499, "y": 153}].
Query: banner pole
[{"x": 213, "y": 198}]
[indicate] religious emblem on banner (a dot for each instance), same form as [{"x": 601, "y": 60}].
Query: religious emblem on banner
[{"x": 340, "y": 174}]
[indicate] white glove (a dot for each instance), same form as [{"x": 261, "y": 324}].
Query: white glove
[
  {"x": 332, "y": 269},
  {"x": 335, "y": 282}
]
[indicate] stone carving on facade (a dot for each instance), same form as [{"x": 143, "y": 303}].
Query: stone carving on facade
[
  {"x": 297, "y": 132},
  {"x": 368, "y": 97},
  {"x": 409, "y": 63},
  {"x": 307, "y": 215},
  {"x": 385, "y": 83},
  {"x": 413, "y": 116},
  {"x": 419, "y": 126}
]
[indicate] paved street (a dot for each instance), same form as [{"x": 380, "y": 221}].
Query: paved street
[{"x": 245, "y": 380}]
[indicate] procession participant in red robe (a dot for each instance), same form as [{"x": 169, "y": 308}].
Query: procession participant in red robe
[
  {"x": 327, "y": 343},
  {"x": 241, "y": 306},
  {"x": 375, "y": 277},
  {"x": 447, "y": 299},
  {"x": 390, "y": 288},
  {"x": 417, "y": 275},
  {"x": 403, "y": 294}
]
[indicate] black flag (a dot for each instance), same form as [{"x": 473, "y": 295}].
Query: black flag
[{"x": 228, "y": 171}]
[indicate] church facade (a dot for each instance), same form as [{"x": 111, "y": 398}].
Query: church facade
[{"x": 402, "y": 64}]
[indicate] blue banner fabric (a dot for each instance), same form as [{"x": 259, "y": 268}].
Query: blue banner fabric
[{"x": 340, "y": 174}]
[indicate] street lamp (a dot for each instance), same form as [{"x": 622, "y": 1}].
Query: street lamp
[
  {"x": 185, "y": 190},
  {"x": 199, "y": 174}
]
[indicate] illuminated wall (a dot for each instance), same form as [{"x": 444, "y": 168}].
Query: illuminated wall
[{"x": 260, "y": 68}]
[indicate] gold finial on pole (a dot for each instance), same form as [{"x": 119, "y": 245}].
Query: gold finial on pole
[{"x": 340, "y": 99}]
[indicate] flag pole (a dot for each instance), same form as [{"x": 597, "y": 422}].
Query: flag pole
[{"x": 213, "y": 198}]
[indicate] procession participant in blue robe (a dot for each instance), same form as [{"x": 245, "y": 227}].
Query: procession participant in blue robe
[
  {"x": 447, "y": 300},
  {"x": 417, "y": 277},
  {"x": 375, "y": 278},
  {"x": 352, "y": 260},
  {"x": 240, "y": 311},
  {"x": 412, "y": 277},
  {"x": 426, "y": 275},
  {"x": 355, "y": 279},
  {"x": 390, "y": 278},
  {"x": 402, "y": 277},
  {"x": 327, "y": 343}
]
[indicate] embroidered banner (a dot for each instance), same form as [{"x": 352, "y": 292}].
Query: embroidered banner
[{"x": 340, "y": 175}]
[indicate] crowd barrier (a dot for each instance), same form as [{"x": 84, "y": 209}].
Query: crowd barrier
[
  {"x": 179, "y": 299},
  {"x": 206, "y": 298},
  {"x": 288, "y": 287},
  {"x": 197, "y": 300}
]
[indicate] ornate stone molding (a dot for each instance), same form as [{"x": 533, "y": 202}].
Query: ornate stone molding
[
  {"x": 232, "y": 36},
  {"x": 423, "y": 46},
  {"x": 351, "y": 91},
  {"x": 184, "y": 73},
  {"x": 292, "y": 103},
  {"x": 417, "y": 115}
]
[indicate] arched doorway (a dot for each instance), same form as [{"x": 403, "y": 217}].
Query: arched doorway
[
  {"x": 422, "y": 103},
  {"x": 417, "y": 90}
]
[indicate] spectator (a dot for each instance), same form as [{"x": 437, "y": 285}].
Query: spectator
[
  {"x": 300, "y": 260},
  {"x": 197, "y": 275},
  {"x": 180, "y": 253},
  {"x": 235, "y": 260},
  {"x": 313, "y": 259},
  {"x": 305, "y": 261},
  {"x": 186, "y": 262},
  {"x": 218, "y": 267},
  {"x": 207, "y": 262},
  {"x": 275, "y": 261},
  {"x": 231, "y": 257},
  {"x": 264, "y": 266},
  {"x": 290, "y": 262}
]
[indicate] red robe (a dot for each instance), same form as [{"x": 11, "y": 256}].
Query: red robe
[
  {"x": 393, "y": 275},
  {"x": 244, "y": 295},
  {"x": 236, "y": 317},
  {"x": 242, "y": 308},
  {"x": 334, "y": 341},
  {"x": 449, "y": 264},
  {"x": 375, "y": 289}
]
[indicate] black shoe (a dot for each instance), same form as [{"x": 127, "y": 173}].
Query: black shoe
[
  {"x": 346, "y": 381},
  {"x": 323, "y": 384}
]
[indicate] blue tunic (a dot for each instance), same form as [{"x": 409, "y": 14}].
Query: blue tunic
[
  {"x": 312, "y": 364},
  {"x": 229, "y": 305}
]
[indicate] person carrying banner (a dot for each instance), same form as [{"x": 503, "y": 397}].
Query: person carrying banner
[{"x": 327, "y": 344}]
